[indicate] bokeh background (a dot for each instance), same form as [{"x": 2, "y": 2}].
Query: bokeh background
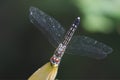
[{"x": 23, "y": 48}]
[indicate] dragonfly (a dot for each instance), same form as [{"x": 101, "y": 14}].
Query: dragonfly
[{"x": 64, "y": 42}]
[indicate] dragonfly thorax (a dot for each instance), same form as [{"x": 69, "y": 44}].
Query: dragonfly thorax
[{"x": 61, "y": 48}]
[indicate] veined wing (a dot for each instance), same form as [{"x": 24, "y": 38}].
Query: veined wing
[
  {"x": 87, "y": 46},
  {"x": 50, "y": 27}
]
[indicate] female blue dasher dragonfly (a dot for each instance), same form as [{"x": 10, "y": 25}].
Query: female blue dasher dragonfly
[{"x": 55, "y": 33}]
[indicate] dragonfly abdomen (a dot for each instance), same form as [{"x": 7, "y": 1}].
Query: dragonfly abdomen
[{"x": 71, "y": 31}]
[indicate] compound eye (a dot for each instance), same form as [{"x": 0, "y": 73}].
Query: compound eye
[
  {"x": 53, "y": 59},
  {"x": 57, "y": 60}
]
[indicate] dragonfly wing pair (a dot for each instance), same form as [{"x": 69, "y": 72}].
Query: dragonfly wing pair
[
  {"x": 50, "y": 27},
  {"x": 54, "y": 32},
  {"x": 86, "y": 46}
]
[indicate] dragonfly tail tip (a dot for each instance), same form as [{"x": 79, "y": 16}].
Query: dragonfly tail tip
[{"x": 78, "y": 18}]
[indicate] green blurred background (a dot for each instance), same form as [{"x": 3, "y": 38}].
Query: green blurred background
[{"x": 23, "y": 48}]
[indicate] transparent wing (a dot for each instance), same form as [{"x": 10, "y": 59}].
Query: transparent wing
[
  {"x": 86, "y": 46},
  {"x": 50, "y": 27},
  {"x": 81, "y": 45}
]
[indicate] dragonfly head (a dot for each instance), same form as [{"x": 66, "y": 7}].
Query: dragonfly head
[{"x": 55, "y": 60}]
